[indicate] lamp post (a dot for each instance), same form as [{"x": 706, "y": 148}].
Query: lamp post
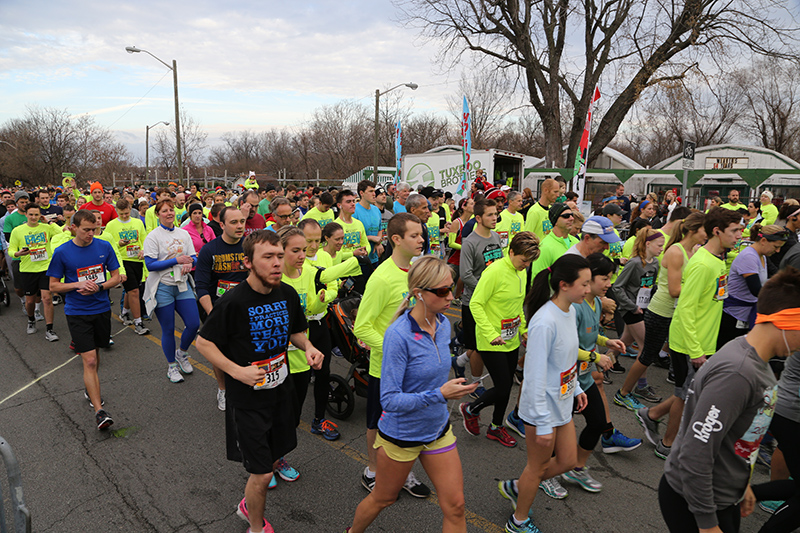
[
  {"x": 378, "y": 94},
  {"x": 147, "y": 149},
  {"x": 174, "y": 69}
]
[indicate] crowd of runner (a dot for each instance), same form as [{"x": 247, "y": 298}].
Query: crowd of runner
[{"x": 548, "y": 298}]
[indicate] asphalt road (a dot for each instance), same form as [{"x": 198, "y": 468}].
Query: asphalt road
[{"x": 163, "y": 466}]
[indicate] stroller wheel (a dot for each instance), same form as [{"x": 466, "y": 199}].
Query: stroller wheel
[
  {"x": 341, "y": 401},
  {"x": 6, "y": 298}
]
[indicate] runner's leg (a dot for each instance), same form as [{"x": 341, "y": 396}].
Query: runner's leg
[
  {"x": 389, "y": 479},
  {"x": 444, "y": 470}
]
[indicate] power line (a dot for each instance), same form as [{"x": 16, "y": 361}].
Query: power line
[{"x": 139, "y": 100}]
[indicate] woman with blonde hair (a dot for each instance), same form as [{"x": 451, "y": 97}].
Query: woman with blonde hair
[{"x": 414, "y": 393}]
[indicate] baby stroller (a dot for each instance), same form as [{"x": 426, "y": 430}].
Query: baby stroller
[{"x": 341, "y": 398}]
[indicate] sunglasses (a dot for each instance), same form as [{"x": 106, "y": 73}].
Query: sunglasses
[
  {"x": 441, "y": 292},
  {"x": 566, "y": 215}
]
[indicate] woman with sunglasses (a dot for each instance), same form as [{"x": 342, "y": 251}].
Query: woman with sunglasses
[
  {"x": 200, "y": 232},
  {"x": 496, "y": 305},
  {"x": 414, "y": 393},
  {"x": 169, "y": 255},
  {"x": 748, "y": 273}
]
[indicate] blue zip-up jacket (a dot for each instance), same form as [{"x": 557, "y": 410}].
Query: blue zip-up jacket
[{"x": 414, "y": 368}]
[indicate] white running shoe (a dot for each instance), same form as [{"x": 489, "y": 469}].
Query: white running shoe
[
  {"x": 38, "y": 315},
  {"x": 173, "y": 373},
  {"x": 51, "y": 336},
  {"x": 31, "y": 329},
  {"x": 220, "y": 399},
  {"x": 140, "y": 329},
  {"x": 126, "y": 319},
  {"x": 183, "y": 361}
]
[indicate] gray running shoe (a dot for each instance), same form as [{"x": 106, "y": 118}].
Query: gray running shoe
[
  {"x": 650, "y": 426},
  {"x": 646, "y": 393},
  {"x": 126, "y": 319},
  {"x": 584, "y": 479},
  {"x": 50, "y": 335},
  {"x": 31, "y": 329},
  {"x": 183, "y": 362},
  {"x": 553, "y": 488},
  {"x": 140, "y": 329},
  {"x": 661, "y": 451},
  {"x": 38, "y": 315},
  {"x": 173, "y": 373}
]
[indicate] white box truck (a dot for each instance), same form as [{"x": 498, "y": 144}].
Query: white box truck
[{"x": 442, "y": 168}]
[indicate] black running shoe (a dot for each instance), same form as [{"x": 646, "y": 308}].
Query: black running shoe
[
  {"x": 103, "y": 419},
  {"x": 617, "y": 368}
]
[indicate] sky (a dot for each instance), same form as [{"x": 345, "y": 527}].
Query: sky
[{"x": 242, "y": 64}]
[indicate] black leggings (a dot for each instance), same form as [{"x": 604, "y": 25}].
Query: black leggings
[
  {"x": 595, "y": 416},
  {"x": 787, "y": 517},
  {"x": 728, "y": 330},
  {"x": 680, "y": 519},
  {"x": 320, "y": 337},
  {"x": 501, "y": 366}
]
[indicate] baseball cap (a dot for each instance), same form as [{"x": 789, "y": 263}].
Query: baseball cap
[
  {"x": 379, "y": 190},
  {"x": 612, "y": 209},
  {"x": 601, "y": 226}
]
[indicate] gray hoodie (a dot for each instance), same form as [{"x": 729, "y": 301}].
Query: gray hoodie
[{"x": 728, "y": 410}]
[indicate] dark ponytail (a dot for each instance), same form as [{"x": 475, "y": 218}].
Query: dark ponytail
[{"x": 567, "y": 268}]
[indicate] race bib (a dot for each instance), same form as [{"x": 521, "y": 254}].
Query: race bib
[
  {"x": 276, "y": 371},
  {"x": 584, "y": 368},
  {"x": 92, "y": 273},
  {"x": 38, "y": 254},
  {"x": 503, "y": 238},
  {"x": 645, "y": 292},
  {"x": 132, "y": 250},
  {"x": 224, "y": 286},
  {"x": 568, "y": 379},
  {"x": 722, "y": 288},
  {"x": 509, "y": 328}
]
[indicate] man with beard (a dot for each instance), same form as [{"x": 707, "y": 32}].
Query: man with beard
[{"x": 247, "y": 336}]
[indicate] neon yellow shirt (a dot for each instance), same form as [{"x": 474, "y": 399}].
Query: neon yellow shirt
[
  {"x": 132, "y": 231},
  {"x": 550, "y": 249},
  {"x": 496, "y": 305},
  {"x": 312, "y": 306},
  {"x": 38, "y": 240},
  {"x": 434, "y": 235},
  {"x": 334, "y": 272},
  {"x": 60, "y": 238},
  {"x": 695, "y": 324},
  {"x": 508, "y": 226},
  {"x": 150, "y": 219},
  {"x": 770, "y": 214},
  {"x": 732, "y": 207},
  {"x": 385, "y": 291},
  {"x": 108, "y": 237},
  {"x": 319, "y": 216},
  {"x": 538, "y": 221},
  {"x": 355, "y": 236}
]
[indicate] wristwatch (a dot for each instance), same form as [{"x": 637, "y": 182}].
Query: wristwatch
[{"x": 592, "y": 356}]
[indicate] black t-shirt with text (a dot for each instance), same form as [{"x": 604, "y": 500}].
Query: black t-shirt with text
[{"x": 248, "y": 326}]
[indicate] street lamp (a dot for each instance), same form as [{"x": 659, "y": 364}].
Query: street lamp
[
  {"x": 147, "y": 150},
  {"x": 174, "y": 69},
  {"x": 378, "y": 94}
]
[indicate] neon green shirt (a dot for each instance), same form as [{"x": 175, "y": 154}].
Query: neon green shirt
[
  {"x": 434, "y": 235},
  {"x": 496, "y": 305},
  {"x": 538, "y": 221},
  {"x": 319, "y": 216},
  {"x": 355, "y": 236},
  {"x": 109, "y": 238},
  {"x": 508, "y": 226},
  {"x": 333, "y": 273},
  {"x": 769, "y": 213},
  {"x": 550, "y": 249},
  {"x": 38, "y": 240},
  {"x": 732, "y": 207},
  {"x": 312, "y": 307},
  {"x": 695, "y": 324},
  {"x": 132, "y": 231},
  {"x": 150, "y": 219},
  {"x": 385, "y": 291},
  {"x": 60, "y": 238}
]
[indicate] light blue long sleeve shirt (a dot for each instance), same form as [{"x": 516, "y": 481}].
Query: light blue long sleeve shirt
[
  {"x": 413, "y": 370},
  {"x": 550, "y": 382}
]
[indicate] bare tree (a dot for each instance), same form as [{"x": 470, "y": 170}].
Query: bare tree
[
  {"x": 773, "y": 99},
  {"x": 425, "y": 131},
  {"x": 339, "y": 135},
  {"x": 489, "y": 94},
  {"x": 50, "y": 141},
  {"x": 640, "y": 43},
  {"x": 193, "y": 144}
]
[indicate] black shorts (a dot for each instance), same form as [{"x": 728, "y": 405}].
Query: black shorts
[
  {"x": 90, "y": 331},
  {"x": 34, "y": 282},
  {"x": 632, "y": 318},
  {"x": 656, "y": 332},
  {"x": 134, "y": 270},
  {"x": 259, "y": 437},
  {"x": 468, "y": 323},
  {"x": 15, "y": 274},
  {"x": 683, "y": 370},
  {"x": 374, "y": 409}
]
